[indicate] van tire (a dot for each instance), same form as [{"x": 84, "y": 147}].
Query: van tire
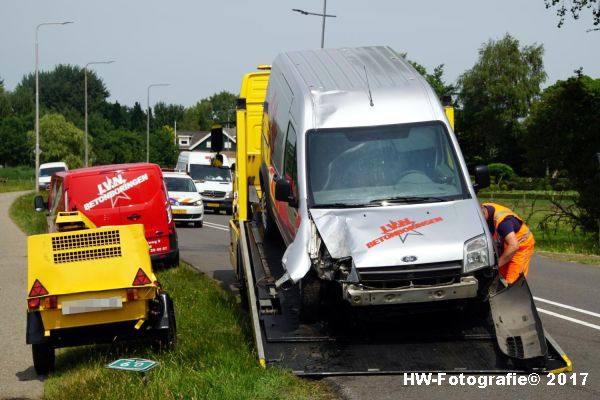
[
  {"x": 266, "y": 217},
  {"x": 310, "y": 297},
  {"x": 43, "y": 358}
]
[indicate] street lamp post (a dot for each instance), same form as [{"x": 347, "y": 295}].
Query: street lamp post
[
  {"x": 86, "y": 104},
  {"x": 148, "y": 119},
  {"x": 324, "y": 15},
  {"x": 37, "y": 101}
]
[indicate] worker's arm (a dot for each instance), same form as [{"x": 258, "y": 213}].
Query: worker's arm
[{"x": 511, "y": 245}]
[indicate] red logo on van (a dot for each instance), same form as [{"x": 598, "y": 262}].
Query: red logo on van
[
  {"x": 401, "y": 228},
  {"x": 114, "y": 189}
]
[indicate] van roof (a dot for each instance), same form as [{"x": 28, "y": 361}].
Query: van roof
[
  {"x": 107, "y": 168},
  {"x": 359, "y": 86},
  {"x": 53, "y": 164}
]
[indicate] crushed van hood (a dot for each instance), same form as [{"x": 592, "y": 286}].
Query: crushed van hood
[{"x": 396, "y": 235}]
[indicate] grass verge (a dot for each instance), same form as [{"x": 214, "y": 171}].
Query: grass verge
[
  {"x": 214, "y": 357},
  {"x": 14, "y": 179}
]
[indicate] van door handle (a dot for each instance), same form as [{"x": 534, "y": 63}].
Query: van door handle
[{"x": 134, "y": 217}]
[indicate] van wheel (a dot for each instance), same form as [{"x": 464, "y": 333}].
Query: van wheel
[
  {"x": 310, "y": 297},
  {"x": 198, "y": 224},
  {"x": 267, "y": 220},
  {"x": 43, "y": 358}
]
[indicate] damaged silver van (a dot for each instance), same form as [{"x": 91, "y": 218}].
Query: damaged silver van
[{"x": 363, "y": 178}]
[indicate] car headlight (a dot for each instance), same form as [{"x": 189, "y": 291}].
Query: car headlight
[
  {"x": 197, "y": 203},
  {"x": 476, "y": 254}
]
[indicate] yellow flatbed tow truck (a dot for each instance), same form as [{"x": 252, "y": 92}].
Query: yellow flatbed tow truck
[
  {"x": 361, "y": 341},
  {"x": 92, "y": 285}
]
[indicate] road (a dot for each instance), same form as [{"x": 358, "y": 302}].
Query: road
[
  {"x": 18, "y": 380},
  {"x": 566, "y": 295}
]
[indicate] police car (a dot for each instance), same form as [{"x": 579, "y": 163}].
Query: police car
[{"x": 186, "y": 203}]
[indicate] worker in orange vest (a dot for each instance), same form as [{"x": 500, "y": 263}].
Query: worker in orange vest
[{"x": 516, "y": 240}]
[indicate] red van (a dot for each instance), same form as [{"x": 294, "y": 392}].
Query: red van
[{"x": 119, "y": 195}]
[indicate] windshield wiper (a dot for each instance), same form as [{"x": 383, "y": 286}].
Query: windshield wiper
[
  {"x": 343, "y": 205},
  {"x": 408, "y": 199}
]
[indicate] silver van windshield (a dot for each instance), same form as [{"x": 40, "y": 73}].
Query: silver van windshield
[
  {"x": 201, "y": 172},
  {"x": 396, "y": 163}
]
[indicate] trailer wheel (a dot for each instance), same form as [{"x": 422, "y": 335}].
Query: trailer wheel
[
  {"x": 43, "y": 358},
  {"x": 310, "y": 297}
]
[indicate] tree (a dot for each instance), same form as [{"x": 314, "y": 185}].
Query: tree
[
  {"x": 137, "y": 119},
  {"x": 119, "y": 146},
  {"x": 435, "y": 80},
  {"x": 5, "y": 108},
  {"x": 14, "y": 149},
  {"x": 60, "y": 140},
  {"x": 223, "y": 108},
  {"x": 62, "y": 90},
  {"x": 575, "y": 8},
  {"x": 563, "y": 135},
  {"x": 163, "y": 150},
  {"x": 494, "y": 96},
  {"x": 167, "y": 114}
]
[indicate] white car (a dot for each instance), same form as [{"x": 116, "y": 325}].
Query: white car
[
  {"x": 186, "y": 203},
  {"x": 46, "y": 172}
]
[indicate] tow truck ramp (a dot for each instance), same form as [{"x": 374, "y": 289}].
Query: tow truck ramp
[{"x": 377, "y": 340}]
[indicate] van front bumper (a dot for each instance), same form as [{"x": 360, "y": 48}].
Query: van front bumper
[{"x": 359, "y": 295}]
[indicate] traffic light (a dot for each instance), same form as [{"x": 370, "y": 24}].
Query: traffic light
[{"x": 216, "y": 138}]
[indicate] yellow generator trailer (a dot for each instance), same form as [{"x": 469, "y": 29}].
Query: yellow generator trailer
[{"x": 92, "y": 285}]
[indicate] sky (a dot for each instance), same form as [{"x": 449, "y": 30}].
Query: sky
[{"x": 202, "y": 47}]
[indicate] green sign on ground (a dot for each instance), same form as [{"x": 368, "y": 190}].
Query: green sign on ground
[{"x": 133, "y": 364}]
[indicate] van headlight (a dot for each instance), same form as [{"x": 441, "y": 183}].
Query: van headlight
[
  {"x": 229, "y": 195},
  {"x": 476, "y": 254}
]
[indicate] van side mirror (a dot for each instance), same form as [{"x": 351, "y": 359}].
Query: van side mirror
[
  {"x": 232, "y": 168},
  {"x": 39, "y": 204},
  {"x": 283, "y": 192},
  {"x": 482, "y": 177}
]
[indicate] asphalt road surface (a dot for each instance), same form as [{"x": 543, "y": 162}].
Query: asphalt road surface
[
  {"x": 566, "y": 295},
  {"x": 18, "y": 380}
]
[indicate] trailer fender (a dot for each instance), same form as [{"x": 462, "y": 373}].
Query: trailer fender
[
  {"x": 35, "y": 329},
  {"x": 164, "y": 306},
  {"x": 518, "y": 326}
]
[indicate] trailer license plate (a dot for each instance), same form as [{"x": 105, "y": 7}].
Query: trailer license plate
[
  {"x": 91, "y": 305},
  {"x": 212, "y": 205}
]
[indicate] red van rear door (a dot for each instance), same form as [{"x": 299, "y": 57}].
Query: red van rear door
[{"x": 146, "y": 203}]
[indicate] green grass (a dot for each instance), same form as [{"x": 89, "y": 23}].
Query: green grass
[
  {"x": 14, "y": 179},
  {"x": 555, "y": 236},
  {"x": 25, "y": 216},
  {"x": 214, "y": 358}
]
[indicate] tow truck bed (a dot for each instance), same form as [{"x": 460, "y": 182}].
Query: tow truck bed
[{"x": 364, "y": 340}]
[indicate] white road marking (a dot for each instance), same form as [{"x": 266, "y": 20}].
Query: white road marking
[
  {"x": 554, "y": 303},
  {"x": 216, "y": 226},
  {"x": 577, "y": 321}
]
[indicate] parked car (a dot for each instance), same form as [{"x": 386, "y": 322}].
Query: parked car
[
  {"x": 186, "y": 203},
  {"x": 46, "y": 172}
]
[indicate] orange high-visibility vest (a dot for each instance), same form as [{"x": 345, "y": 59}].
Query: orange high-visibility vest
[{"x": 500, "y": 215}]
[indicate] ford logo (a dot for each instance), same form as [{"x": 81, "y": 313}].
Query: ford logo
[{"x": 409, "y": 259}]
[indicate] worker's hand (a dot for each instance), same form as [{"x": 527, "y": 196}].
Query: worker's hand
[{"x": 511, "y": 245}]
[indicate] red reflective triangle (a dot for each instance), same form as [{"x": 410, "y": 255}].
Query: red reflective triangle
[
  {"x": 37, "y": 289},
  {"x": 141, "y": 278}
]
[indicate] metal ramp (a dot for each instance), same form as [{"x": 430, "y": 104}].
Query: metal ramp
[{"x": 375, "y": 340}]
